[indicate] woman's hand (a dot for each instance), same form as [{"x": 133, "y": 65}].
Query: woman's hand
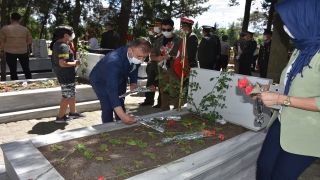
[{"x": 269, "y": 98}]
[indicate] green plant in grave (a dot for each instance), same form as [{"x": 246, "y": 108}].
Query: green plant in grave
[
  {"x": 81, "y": 147},
  {"x": 88, "y": 154},
  {"x": 56, "y": 147},
  {"x": 115, "y": 142},
  {"x": 82, "y": 49},
  {"x": 103, "y": 147},
  {"x": 214, "y": 99}
]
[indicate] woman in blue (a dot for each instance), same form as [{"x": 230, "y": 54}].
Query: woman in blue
[
  {"x": 109, "y": 78},
  {"x": 293, "y": 139}
]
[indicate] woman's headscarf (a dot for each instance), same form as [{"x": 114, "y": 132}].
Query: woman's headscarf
[{"x": 302, "y": 18}]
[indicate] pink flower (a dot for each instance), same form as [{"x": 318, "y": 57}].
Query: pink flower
[
  {"x": 6, "y": 89},
  {"x": 101, "y": 178},
  {"x": 221, "y": 136},
  {"x": 248, "y": 89},
  {"x": 242, "y": 83}
]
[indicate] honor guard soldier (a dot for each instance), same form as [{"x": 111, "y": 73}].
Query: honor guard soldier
[
  {"x": 192, "y": 41},
  {"x": 246, "y": 55},
  {"x": 110, "y": 39},
  {"x": 264, "y": 53},
  {"x": 209, "y": 49}
]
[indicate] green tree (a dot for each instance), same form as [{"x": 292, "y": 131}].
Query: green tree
[{"x": 233, "y": 33}]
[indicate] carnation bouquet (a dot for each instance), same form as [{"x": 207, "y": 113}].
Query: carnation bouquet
[
  {"x": 253, "y": 89},
  {"x": 165, "y": 50}
]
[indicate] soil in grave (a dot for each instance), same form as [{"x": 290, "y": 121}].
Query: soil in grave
[
  {"x": 110, "y": 156},
  {"x": 29, "y": 85}
]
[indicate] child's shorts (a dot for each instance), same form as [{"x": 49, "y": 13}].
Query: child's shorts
[{"x": 68, "y": 90}]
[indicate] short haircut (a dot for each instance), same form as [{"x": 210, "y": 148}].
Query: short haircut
[
  {"x": 167, "y": 22},
  {"x": 224, "y": 37},
  {"x": 62, "y": 29},
  {"x": 15, "y": 16},
  {"x": 143, "y": 44}
]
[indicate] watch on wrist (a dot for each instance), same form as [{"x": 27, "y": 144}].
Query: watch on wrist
[{"x": 287, "y": 101}]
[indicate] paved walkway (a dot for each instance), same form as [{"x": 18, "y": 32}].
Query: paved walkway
[{"x": 34, "y": 127}]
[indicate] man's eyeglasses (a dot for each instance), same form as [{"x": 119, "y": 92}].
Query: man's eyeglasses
[{"x": 169, "y": 30}]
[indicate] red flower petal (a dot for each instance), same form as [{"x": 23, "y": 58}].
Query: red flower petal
[
  {"x": 170, "y": 123},
  {"x": 248, "y": 89},
  {"x": 242, "y": 83},
  {"x": 206, "y": 133},
  {"x": 221, "y": 136},
  {"x": 213, "y": 132},
  {"x": 6, "y": 89},
  {"x": 101, "y": 178}
]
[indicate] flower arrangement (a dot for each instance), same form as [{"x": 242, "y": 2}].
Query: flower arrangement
[
  {"x": 248, "y": 87},
  {"x": 165, "y": 50}
]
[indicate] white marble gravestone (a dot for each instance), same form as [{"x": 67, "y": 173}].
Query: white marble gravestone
[
  {"x": 39, "y": 48},
  {"x": 240, "y": 107}
]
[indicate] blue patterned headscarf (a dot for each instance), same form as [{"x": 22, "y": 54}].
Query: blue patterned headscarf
[{"x": 302, "y": 18}]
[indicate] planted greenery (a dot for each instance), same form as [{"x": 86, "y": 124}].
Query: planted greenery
[{"x": 56, "y": 147}]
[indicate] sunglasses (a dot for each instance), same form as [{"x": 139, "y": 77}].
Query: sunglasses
[{"x": 168, "y": 30}]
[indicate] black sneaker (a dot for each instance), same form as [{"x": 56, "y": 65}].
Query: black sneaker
[
  {"x": 76, "y": 115},
  {"x": 63, "y": 119}
]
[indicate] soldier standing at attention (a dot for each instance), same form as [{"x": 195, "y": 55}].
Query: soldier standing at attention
[
  {"x": 238, "y": 47},
  {"x": 110, "y": 39},
  {"x": 206, "y": 54},
  {"x": 192, "y": 41},
  {"x": 263, "y": 59},
  {"x": 152, "y": 67},
  {"x": 246, "y": 56}
]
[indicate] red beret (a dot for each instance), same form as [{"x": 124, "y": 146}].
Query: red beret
[{"x": 185, "y": 20}]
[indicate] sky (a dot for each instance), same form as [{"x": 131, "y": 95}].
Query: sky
[{"x": 219, "y": 12}]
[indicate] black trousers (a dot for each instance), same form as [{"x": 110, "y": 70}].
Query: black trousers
[
  {"x": 222, "y": 62},
  {"x": 207, "y": 65},
  {"x": 263, "y": 72},
  {"x": 12, "y": 63},
  {"x": 152, "y": 73},
  {"x": 245, "y": 68}
]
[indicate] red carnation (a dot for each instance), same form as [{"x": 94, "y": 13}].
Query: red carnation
[
  {"x": 213, "y": 132},
  {"x": 242, "y": 83},
  {"x": 221, "y": 136},
  {"x": 248, "y": 89},
  {"x": 170, "y": 123},
  {"x": 169, "y": 45},
  {"x": 101, "y": 178},
  {"x": 6, "y": 89},
  {"x": 206, "y": 132},
  {"x": 153, "y": 88}
]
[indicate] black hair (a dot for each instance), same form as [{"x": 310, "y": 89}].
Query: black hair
[
  {"x": 167, "y": 22},
  {"x": 224, "y": 37},
  {"x": 15, "y": 16},
  {"x": 53, "y": 40},
  {"x": 206, "y": 30},
  {"x": 62, "y": 29},
  {"x": 141, "y": 43}
]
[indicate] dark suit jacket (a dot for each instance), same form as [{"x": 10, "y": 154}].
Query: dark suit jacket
[
  {"x": 113, "y": 70},
  {"x": 264, "y": 54},
  {"x": 192, "y": 45},
  {"x": 110, "y": 40},
  {"x": 209, "y": 48},
  {"x": 247, "y": 52}
]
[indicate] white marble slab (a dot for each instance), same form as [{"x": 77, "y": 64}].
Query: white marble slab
[{"x": 240, "y": 107}]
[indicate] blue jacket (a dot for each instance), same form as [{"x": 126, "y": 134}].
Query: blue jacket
[{"x": 113, "y": 71}]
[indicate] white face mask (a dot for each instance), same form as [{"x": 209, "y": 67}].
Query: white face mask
[
  {"x": 135, "y": 60},
  {"x": 167, "y": 34},
  {"x": 87, "y": 34},
  {"x": 245, "y": 37},
  {"x": 150, "y": 32},
  {"x": 211, "y": 33},
  {"x": 287, "y": 31},
  {"x": 71, "y": 37},
  {"x": 156, "y": 29},
  {"x": 264, "y": 37}
]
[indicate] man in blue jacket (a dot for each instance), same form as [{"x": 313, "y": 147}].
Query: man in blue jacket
[{"x": 109, "y": 78}]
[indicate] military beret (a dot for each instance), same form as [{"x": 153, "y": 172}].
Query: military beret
[
  {"x": 111, "y": 23},
  {"x": 267, "y": 31},
  {"x": 185, "y": 20},
  {"x": 157, "y": 21},
  {"x": 206, "y": 27}
]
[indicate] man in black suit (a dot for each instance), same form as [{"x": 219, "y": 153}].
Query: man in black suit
[
  {"x": 192, "y": 41},
  {"x": 209, "y": 49},
  {"x": 264, "y": 53},
  {"x": 246, "y": 56}
]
